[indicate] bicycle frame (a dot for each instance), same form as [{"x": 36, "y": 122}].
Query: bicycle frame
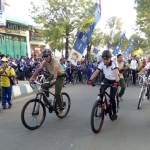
[{"x": 42, "y": 78}]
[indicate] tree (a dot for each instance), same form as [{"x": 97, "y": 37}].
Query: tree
[
  {"x": 61, "y": 19},
  {"x": 143, "y": 18},
  {"x": 139, "y": 42},
  {"x": 114, "y": 27},
  {"x": 95, "y": 40}
]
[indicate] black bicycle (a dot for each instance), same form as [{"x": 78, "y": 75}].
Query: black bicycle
[
  {"x": 34, "y": 111},
  {"x": 101, "y": 108}
]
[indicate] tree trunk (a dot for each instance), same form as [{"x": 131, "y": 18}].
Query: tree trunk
[
  {"x": 67, "y": 47},
  {"x": 88, "y": 51}
]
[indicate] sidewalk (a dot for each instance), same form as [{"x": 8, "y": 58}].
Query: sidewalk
[{"x": 23, "y": 87}]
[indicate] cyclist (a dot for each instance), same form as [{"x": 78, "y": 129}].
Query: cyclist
[
  {"x": 57, "y": 77},
  {"x": 111, "y": 72},
  {"x": 147, "y": 67}
]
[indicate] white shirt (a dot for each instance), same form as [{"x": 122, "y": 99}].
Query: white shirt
[
  {"x": 133, "y": 64},
  {"x": 147, "y": 66},
  {"x": 109, "y": 70}
]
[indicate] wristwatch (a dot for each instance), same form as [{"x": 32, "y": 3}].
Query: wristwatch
[{"x": 54, "y": 78}]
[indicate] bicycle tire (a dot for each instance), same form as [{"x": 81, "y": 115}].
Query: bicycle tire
[
  {"x": 141, "y": 99},
  {"x": 148, "y": 93},
  {"x": 41, "y": 117},
  {"x": 100, "y": 115},
  {"x": 141, "y": 82},
  {"x": 74, "y": 81},
  {"x": 84, "y": 79},
  {"x": 64, "y": 105},
  {"x": 110, "y": 112}
]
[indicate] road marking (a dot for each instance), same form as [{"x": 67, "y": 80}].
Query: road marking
[{"x": 26, "y": 97}]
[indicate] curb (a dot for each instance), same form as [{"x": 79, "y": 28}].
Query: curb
[{"x": 18, "y": 90}]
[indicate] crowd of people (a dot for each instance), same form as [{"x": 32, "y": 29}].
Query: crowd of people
[{"x": 25, "y": 66}]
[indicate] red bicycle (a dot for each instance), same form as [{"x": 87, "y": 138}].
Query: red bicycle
[{"x": 101, "y": 108}]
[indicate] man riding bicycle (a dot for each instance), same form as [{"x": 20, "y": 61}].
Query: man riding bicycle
[
  {"x": 111, "y": 72},
  {"x": 147, "y": 67},
  {"x": 57, "y": 77}
]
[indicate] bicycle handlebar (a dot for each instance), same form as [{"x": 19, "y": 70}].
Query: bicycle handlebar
[
  {"x": 109, "y": 85},
  {"x": 38, "y": 83}
]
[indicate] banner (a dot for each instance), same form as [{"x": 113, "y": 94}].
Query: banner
[
  {"x": 95, "y": 51},
  {"x": 83, "y": 37},
  {"x": 74, "y": 57},
  {"x": 128, "y": 49},
  {"x": 117, "y": 48}
]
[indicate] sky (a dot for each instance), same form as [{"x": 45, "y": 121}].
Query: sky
[{"x": 123, "y": 9}]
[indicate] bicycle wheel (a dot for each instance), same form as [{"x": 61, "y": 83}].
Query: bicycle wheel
[
  {"x": 74, "y": 79},
  {"x": 148, "y": 92},
  {"x": 84, "y": 79},
  {"x": 33, "y": 114},
  {"x": 140, "y": 82},
  {"x": 66, "y": 104},
  {"x": 97, "y": 117},
  {"x": 141, "y": 98}
]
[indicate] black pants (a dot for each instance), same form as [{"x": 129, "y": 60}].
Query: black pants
[
  {"x": 113, "y": 93},
  {"x": 80, "y": 76},
  {"x": 134, "y": 76}
]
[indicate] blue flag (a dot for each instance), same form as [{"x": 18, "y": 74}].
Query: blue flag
[
  {"x": 95, "y": 51},
  {"x": 117, "y": 48},
  {"x": 128, "y": 49},
  {"x": 83, "y": 37}
]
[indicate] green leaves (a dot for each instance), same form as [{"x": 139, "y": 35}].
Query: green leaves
[
  {"x": 143, "y": 18},
  {"x": 61, "y": 19}
]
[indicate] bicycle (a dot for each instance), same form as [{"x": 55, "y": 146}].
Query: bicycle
[
  {"x": 38, "y": 102},
  {"x": 142, "y": 78},
  {"x": 101, "y": 108},
  {"x": 144, "y": 85}
]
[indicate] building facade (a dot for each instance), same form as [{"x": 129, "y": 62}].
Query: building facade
[{"x": 13, "y": 39}]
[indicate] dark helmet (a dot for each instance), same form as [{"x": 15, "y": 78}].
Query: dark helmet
[
  {"x": 106, "y": 54},
  {"x": 46, "y": 52}
]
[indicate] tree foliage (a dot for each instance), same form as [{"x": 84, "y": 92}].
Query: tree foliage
[
  {"x": 61, "y": 19},
  {"x": 114, "y": 32},
  {"x": 143, "y": 18}
]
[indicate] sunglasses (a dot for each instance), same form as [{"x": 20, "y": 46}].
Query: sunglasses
[{"x": 45, "y": 56}]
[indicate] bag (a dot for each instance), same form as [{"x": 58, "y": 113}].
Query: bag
[{"x": 12, "y": 82}]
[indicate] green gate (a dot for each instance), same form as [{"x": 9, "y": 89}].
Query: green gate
[
  {"x": 3, "y": 46},
  {"x": 12, "y": 48},
  {"x": 23, "y": 49}
]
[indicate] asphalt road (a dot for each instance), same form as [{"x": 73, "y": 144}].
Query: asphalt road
[{"x": 130, "y": 132}]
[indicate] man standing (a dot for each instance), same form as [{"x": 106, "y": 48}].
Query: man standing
[
  {"x": 133, "y": 67},
  {"x": 6, "y": 84},
  {"x": 2, "y": 70},
  {"x": 122, "y": 67}
]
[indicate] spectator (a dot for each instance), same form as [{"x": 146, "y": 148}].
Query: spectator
[
  {"x": 68, "y": 70},
  {"x": 6, "y": 84}
]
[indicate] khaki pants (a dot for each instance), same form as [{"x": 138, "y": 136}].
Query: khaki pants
[
  {"x": 123, "y": 87},
  {"x": 58, "y": 88}
]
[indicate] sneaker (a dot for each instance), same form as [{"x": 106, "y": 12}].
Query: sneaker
[
  {"x": 4, "y": 107},
  {"x": 9, "y": 106},
  {"x": 61, "y": 113},
  {"x": 115, "y": 116}
]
